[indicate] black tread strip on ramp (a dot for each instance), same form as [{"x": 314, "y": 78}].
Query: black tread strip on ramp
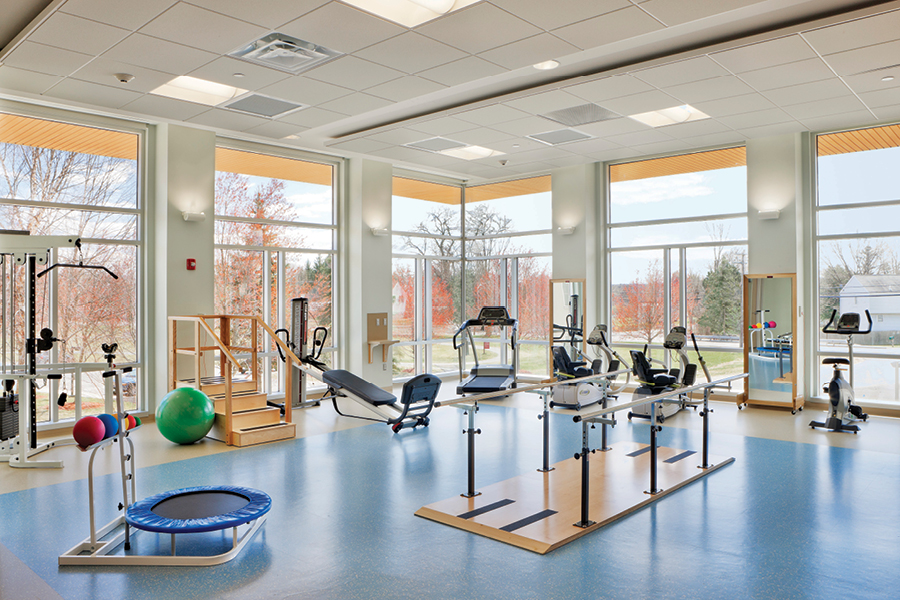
[
  {"x": 528, "y": 520},
  {"x": 639, "y": 452},
  {"x": 677, "y": 457},
  {"x": 485, "y": 509}
]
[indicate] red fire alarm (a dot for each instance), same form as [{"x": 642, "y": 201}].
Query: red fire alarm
[{"x": 191, "y": 264}]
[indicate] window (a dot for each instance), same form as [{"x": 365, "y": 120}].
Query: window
[
  {"x": 678, "y": 252},
  {"x": 64, "y": 179},
  {"x": 858, "y": 253},
  {"x": 276, "y": 240}
]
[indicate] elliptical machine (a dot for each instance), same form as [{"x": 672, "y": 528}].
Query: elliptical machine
[{"x": 841, "y": 409}]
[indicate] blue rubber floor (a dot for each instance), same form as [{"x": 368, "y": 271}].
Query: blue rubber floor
[{"x": 786, "y": 520}]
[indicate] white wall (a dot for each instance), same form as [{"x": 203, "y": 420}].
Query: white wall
[{"x": 367, "y": 265}]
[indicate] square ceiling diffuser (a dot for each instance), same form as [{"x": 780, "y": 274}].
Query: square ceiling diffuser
[
  {"x": 581, "y": 115},
  {"x": 560, "y": 136},
  {"x": 263, "y": 106},
  {"x": 285, "y": 53}
]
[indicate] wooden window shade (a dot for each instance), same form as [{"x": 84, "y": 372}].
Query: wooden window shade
[
  {"x": 860, "y": 140},
  {"x": 39, "y": 133},
  {"x": 677, "y": 165},
  {"x": 425, "y": 190},
  {"x": 508, "y": 189},
  {"x": 272, "y": 167}
]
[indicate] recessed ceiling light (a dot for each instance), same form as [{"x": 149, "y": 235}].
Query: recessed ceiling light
[
  {"x": 887, "y": 78},
  {"x": 238, "y": 74},
  {"x": 546, "y": 65},
  {"x": 198, "y": 90},
  {"x": 670, "y": 116},
  {"x": 471, "y": 152},
  {"x": 410, "y": 13}
]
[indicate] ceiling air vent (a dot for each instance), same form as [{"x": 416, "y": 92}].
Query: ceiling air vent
[
  {"x": 285, "y": 53},
  {"x": 581, "y": 115},
  {"x": 560, "y": 136},
  {"x": 263, "y": 106},
  {"x": 436, "y": 144}
]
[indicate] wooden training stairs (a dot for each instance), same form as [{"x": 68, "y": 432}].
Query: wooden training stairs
[{"x": 243, "y": 417}]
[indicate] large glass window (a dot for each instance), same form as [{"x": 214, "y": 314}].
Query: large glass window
[
  {"x": 276, "y": 240},
  {"x": 858, "y": 254},
  {"x": 65, "y": 179},
  {"x": 678, "y": 252}
]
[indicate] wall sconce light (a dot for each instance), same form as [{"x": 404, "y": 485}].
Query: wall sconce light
[
  {"x": 565, "y": 230},
  {"x": 769, "y": 215},
  {"x": 381, "y": 231},
  {"x": 192, "y": 216}
]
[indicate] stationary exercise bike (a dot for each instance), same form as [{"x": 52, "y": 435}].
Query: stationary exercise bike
[{"x": 841, "y": 409}]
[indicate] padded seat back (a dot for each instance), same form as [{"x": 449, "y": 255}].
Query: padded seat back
[
  {"x": 563, "y": 364},
  {"x": 642, "y": 370},
  {"x": 421, "y": 388}
]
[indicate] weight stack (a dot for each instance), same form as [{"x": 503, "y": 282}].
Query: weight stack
[{"x": 9, "y": 416}]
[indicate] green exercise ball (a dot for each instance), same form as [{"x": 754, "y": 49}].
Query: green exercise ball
[{"x": 185, "y": 415}]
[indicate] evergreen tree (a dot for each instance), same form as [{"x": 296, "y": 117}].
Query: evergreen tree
[{"x": 722, "y": 300}]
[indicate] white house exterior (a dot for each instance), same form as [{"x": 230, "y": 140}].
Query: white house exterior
[{"x": 879, "y": 294}]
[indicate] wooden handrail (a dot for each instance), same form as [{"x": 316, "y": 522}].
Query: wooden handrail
[
  {"x": 278, "y": 341},
  {"x": 219, "y": 344}
]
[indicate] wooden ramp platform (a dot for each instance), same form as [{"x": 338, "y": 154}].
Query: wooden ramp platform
[{"x": 538, "y": 511}]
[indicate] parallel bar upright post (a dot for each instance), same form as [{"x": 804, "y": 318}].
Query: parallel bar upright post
[
  {"x": 471, "y": 493},
  {"x": 585, "y": 477},
  {"x": 653, "y": 430},
  {"x": 705, "y": 463},
  {"x": 546, "y": 418}
]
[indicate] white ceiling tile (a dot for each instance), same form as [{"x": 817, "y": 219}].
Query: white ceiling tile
[
  {"x": 200, "y": 28},
  {"x": 609, "y": 87},
  {"x": 855, "y": 34},
  {"x": 765, "y": 54},
  {"x": 222, "y": 70},
  {"x": 715, "y": 139},
  {"x": 45, "y": 59},
  {"x": 710, "y": 89},
  {"x": 478, "y": 28},
  {"x": 757, "y": 118},
  {"x": 77, "y": 34},
  {"x": 662, "y": 147},
  {"x": 794, "y": 73},
  {"x": 354, "y": 73},
  {"x": 807, "y": 92},
  {"x": 591, "y": 146},
  {"x": 529, "y": 51},
  {"x": 568, "y": 161},
  {"x": 872, "y": 82},
  {"x": 856, "y": 61},
  {"x": 543, "y": 153},
  {"x": 402, "y": 153},
  {"x": 548, "y": 15},
  {"x": 881, "y": 98},
  {"x": 462, "y": 71},
  {"x": 398, "y": 136},
  {"x": 15, "y": 79},
  {"x": 219, "y": 118},
  {"x": 274, "y": 129},
  {"x": 683, "y": 71},
  {"x": 405, "y": 88},
  {"x": 128, "y": 15},
  {"x": 411, "y": 52},
  {"x": 676, "y": 12},
  {"x": 695, "y": 128},
  {"x": 102, "y": 70},
  {"x": 888, "y": 113},
  {"x": 91, "y": 93},
  {"x": 481, "y": 136},
  {"x": 356, "y": 104},
  {"x": 822, "y": 108},
  {"x": 167, "y": 108},
  {"x": 532, "y": 168},
  {"x": 545, "y": 102},
  {"x": 515, "y": 145},
  {"x": 843, "y": 121},
  {"x": 269, "y": 14},
  {"x": 526, "y": 126},
  {"x": 641, "y": 103},
  {"x": 363, "y": 146},
  {"x": 441, "y": 126},
  {"x": 615, "y": 155},
  {"x": 305, "y": 90},
  {"x": 613, "y": 127},
  {"x": 772, "y": 130},
  {"x": 612, "y": 27},
  {"x": 159, "y": 55},
  {"x": 638, "y": 138},
  {"x": 342, "y": 28},
  {"x": 735, "y": 105},
  {"x": 312, "y": 117},
  {"x": 491, "y": 116}
]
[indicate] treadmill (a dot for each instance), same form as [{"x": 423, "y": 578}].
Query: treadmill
[{"x": 487, "y": 378}]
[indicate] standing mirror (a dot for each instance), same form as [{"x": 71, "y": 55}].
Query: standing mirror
[{"x": 770, "y": 323}]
